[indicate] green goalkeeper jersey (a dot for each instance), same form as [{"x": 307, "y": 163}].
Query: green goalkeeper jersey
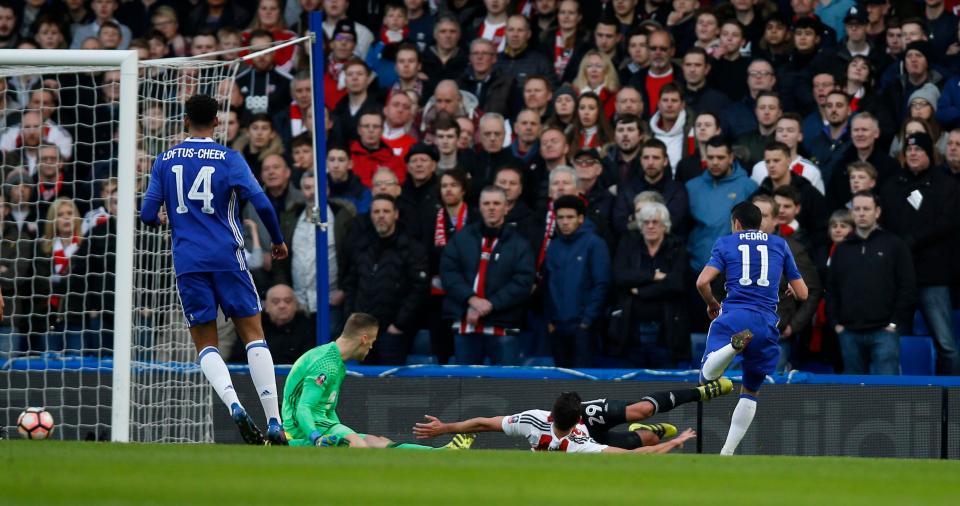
[{"x": 312, "y": 391}]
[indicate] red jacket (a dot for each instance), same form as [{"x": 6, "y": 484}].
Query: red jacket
[{"x": 366, "y": 162}]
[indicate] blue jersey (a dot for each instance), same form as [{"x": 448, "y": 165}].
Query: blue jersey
[
  {"x": 753, "y": 263},
  {"x": 202, "y": 184}
]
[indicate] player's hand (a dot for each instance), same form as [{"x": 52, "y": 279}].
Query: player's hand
[
  {"x": 787, "y": 331},
  {"x": 684, "y": 437},
  {"x": 433, "y": 427},
  {"x": 713, "y": 310},
  {"x": 279, "y": 251},
  {"x": 789, "y": 292},
  {"x": 162, "y": 216}
]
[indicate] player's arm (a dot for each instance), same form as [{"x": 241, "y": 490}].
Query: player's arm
[
  {"x": 796, "y": 286},
  {"x": 707, "y": 276},
  {"x": 434, "y": 426},
  {"x": 241, "y": 178},
  {"x": 313, "y": 408},
  {"x": 665, "y": 447},
  {"x": 153, "y": 198}
]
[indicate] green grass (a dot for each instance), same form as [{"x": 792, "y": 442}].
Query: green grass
[{"x": 53, "y": 472}]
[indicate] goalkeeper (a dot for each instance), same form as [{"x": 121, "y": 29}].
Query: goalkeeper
[{"x": 312, "y": 392}]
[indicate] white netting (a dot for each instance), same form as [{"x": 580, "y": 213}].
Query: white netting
[{"x": 58, "y": 276}]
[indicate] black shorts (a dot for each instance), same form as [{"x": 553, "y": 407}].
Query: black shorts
[{"x": 601, "y": 415}]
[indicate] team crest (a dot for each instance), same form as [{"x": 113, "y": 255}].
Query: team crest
[{"x": 320, "y": 379}]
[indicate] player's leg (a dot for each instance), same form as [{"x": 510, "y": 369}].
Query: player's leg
[
  {"x": 729, "y": 334},
  {"x": 238, "y": 297},
  {"x": 662, "y": 402},
  {"x": 758, "y": 361},
  {"x": 200, "y": 310}
]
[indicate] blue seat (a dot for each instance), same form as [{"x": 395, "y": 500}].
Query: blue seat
[
  {"x": 917, "y": 356},
  {"x": 421, "y": 359}
]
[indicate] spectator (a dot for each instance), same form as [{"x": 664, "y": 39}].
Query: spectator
[
  {"x": 576, "y": 274},
  {"x": 369, "y": 152},
  {"x": 538, "y": 96},
  {"x": 520, "y": 58},
  {"x": 214, "y": 15},
  {"x": 203, "y": 43},
  {"x": 655, "y": 166},
  {"x": 8, "y": 25},
  {"x": 419, "y": 194},
  {"x": 410, "y": 76},
  {"x": 303, "y": 256},
  {"x": 164, "y": 20},
  {"x": 103, "y": 11},
  {"x": 301, "y": 148},
  {"x": 794, "y": 316},
  {"x": 492, "y": 27},
  {"x": 870, "y": 293},
  {"x": 951, "y": 163},
  {"x": 597, "y": 199},
  {"x": 622, "y": 161},
  {"x": 741, "y": 116},
  {"x": 446, "y": 59},
  {"x": 730, "y": 61},
  {"x": 808, "y": 227},
  {"x": 448, "y": 99},
  {"x": 288, "y": 331},
  {"x": 341, "y": 53},
  {"x": 682, "y": 24},
  {"x": 638, "y": 56},
  {"x": 16, "y": 271},
  {"x": 706, "y": 125},
  {"x": 446, "y": 134},
  {"x": 398, "y": 120},
  {"x": 526, "y": 143},
  {"x": 698, "y": 96},
  {"x": 767, "y": 112},
  {"x": 518, "y": 213},
  {"x": 388, "y": 279},
  {"x": 492, "y": 155},
  {"x": 712, "y": 195},
  {"x": 669, "y": 124},
  {"x": 864, "y": 135},
  {"x": 259, "y": 142},
  {"x": 26, "y": 138},
  {"x": 9, "y": 107},
  {"x": 789, "y": 132},
  {"x": 629, "y": 101},
  {"x": 269, "y": 18},
  {"x": 590, "y": 127},
  {"x": 661, "y": 71},
  {"x": 451, "y": 216},
  {"x": 598, "y": 76},
  {"x": 708, "y": 32},
  {"x": 493, "y": 88},
  {"x": 921, "y": 208},
  {"x": 382, "y": 57},
  {"x": 421, "y": 23},
  {"x": 488, "y": 272},
  {"x": 59, "y": 282},
  {"x": 568, "y": 39},
  {"x": 265, "y": 87},
  {"x": 289, "y": 121},
  {"x": 19, "y": 195},
  {"x": 51, "y": 181},
  {"x": 918, "y": 71},
  {"x": 824, "y": 83},
  {"x": 564, "y": 107},
  {"x": 343, "y": 183},
  {"x": 862, "y": 178},
  {"x": 288, "y": 202},
  {"x": 649, "y": 327},
  {"x": 108, "y": 37},
  {"x": 335, "y": 11}
]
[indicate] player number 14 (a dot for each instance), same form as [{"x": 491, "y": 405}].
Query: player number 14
[
  {"x": 745, "y": 260},
  {"x": 196, "y": 193}
]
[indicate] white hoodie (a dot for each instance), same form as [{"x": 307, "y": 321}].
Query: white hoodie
[{"x": 673, "y": 138}]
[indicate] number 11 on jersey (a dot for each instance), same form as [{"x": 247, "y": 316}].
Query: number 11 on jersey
[{"x": 764, "y": 265}]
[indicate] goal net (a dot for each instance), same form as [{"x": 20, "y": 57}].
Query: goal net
[{"x": 70, "y": 162}]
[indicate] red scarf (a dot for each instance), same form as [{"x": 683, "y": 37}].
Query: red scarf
[
  {"x": 797, "y": 168},
  {"x": 561, "y": 53},
  {"x": 385, "y": 38},
  {"x": 786, "y": 230},
  {"x": 547, "y": 234},
  {"x": 296, "y": 120},
  {"x": 335, "y": 68},
  {"x": 49, "y": 191},
  {"x": 440, "y": 240},
  {"x": 479, "y": 288},
  {"x": 61, "y": 262},
  {"x": 820, "y": 319},
  {"x": 691, "y": 143}
]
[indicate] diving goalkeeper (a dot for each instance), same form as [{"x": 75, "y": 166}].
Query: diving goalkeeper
[{"x": 312, "y": 392}]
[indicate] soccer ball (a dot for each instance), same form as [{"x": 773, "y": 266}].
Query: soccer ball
[{"x": 35, "y": 423}]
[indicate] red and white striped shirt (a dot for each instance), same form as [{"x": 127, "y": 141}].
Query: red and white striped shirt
[{"x": 536, "y": 425}]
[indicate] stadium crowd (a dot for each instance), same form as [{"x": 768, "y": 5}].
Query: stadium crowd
[{"x": 525, "y": 178}]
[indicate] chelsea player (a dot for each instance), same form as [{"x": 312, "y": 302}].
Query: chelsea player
[
  {"x": 201, "y": 184},
  {"x": 752, "y": 262}
]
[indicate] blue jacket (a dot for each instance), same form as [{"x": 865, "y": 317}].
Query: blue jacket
[
  {"x": 710, "y": 203},
  {"x": 383, "y": 67},
  {"x": 577, "y": 271},
  {"x": 948, "y": 106}
]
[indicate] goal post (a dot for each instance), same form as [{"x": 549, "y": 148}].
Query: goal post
[{"x": 133, "y": 372}]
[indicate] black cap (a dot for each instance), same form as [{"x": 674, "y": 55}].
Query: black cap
[
  {"x": 856, "y": 15},
  {"x": 423, "y": 149},
  {"x": 588, "y": 152},
  {"x": 923, "y": 141},
  {"x": 923, "y": 47},
  {"x": 345, "y": 27},
  {"x": 874, "y": 2}
]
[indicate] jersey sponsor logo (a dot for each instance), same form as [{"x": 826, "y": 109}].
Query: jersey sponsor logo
[
  {"x": 514, "y": 419},
  {"x": 320, "y": 379},
  {"x": 265, "y": 393}
]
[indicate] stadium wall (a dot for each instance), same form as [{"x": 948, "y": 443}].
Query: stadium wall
[{"x": 792, "y": 419}]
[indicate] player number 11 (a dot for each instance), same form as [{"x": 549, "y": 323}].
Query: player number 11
[
  {"x": 745, "y": 260},
  {"x": 206, "y": 194}
]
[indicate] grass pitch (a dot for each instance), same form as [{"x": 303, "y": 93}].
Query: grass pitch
[{"x": 55, "y": 472}]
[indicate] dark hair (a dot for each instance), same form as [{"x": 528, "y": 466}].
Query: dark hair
[
  {"x": 458, "y": 175},
  {"x": 700, "y": 51},
  {"x": 777, "y": 146},
  {"x": 538, "y": 77},
  {"x": 409, "y": 46},
  {"x": 792, "y": 116},
  {"x": 260, "y": 116},
  {"x": 916, "y": 21},
  {"x": 303, "y": 139},
  {"x": 356, "y": 61},
  {"x": 566, "y": 410},
  {"x": 747, "y": 214},
  {"x": 672, "y": 87},
  {"x": 202, "y": 110},
  {"x": 359, "y": 323},
  {"x": 838, "y": 91},
  {"x": 719, "y": 141},
  {"x": 570, "y": 202},
  {"x": 384, "y": 196},
  {"x": 626, "y": 119},
  {"x": 445, "y": 121},
  {"x": 788, "y": 192},
  {"x": 654, "y": 143},
  {"x": 260, "y": 33},
  {"x": 869, "y": 194},
  {"x": 768, "y": 93},
  {"x": 510, "y": 168}
]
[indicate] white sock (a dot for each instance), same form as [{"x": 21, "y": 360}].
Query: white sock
[
  {"x": 261, "y": 372},
  {"x": 739, "y": 423},
  {"x": 211, "y": 363},
  {"x": 717, "y": 362}
]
